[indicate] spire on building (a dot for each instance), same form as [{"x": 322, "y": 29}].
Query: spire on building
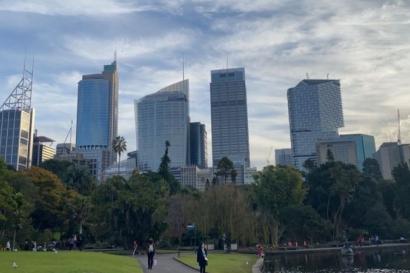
[{"x": 20, "y": 97}]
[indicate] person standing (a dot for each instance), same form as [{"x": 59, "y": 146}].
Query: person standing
[
  {"x": 135, "y": 248},
  {"x": 202, "y": 257},
  {"x": 151, "y": 254},
  {"x": 8, "y": 246}
]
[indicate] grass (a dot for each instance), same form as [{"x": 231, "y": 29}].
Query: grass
[
  {"x": 67, "y": 262},
  {"x": 223, "y": 263}
]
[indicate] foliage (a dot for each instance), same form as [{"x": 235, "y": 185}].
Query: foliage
[
  {"x": 225, "y": 169},
  {"x": 119, "y": 145},
  {"x": 165, "y": 173}
]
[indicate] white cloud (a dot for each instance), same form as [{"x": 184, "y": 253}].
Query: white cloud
[{"x": 72, "y": 7}]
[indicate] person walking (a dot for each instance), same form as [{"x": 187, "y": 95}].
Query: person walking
[
  {"x": 202, "y": 257},
  {"x": 135, "y": 248},
  {"x": 151, "y": 254}
]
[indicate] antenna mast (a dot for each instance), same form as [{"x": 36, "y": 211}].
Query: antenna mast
[
  {"x": 183, "y": 68},
  {"x": 398, "y": 127}
]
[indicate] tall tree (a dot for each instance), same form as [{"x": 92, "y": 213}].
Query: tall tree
[
  {"x": 371, "y": 169},
  {"x": 164, "y": 172},
  {"x": 225, "y": 169},
  {"x": 275, "y": 189},
  {"x": 119, "y": 145}
]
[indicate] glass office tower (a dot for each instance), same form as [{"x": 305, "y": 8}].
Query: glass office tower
[
  {"x": 160, "y": 117},
  {"x": 198, "y": 145},
  {"x": 315, "y": 112},
  {"x": 229, "y": 116},
  {"x": 97, "y": 117}
]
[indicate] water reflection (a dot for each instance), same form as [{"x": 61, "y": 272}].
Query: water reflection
[{"x": 369, "y": 261}]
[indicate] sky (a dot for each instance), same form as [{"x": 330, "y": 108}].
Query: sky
[{"x": 364, "y": 43}]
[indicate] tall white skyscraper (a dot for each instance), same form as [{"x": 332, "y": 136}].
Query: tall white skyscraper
[
  {"x": 160, "y": 117},
  {"x": 229, "y": 116},
  {"x": 315, "y": 112}
]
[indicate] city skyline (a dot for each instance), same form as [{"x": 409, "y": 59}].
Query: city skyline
[{"x": 283, "y": 46}]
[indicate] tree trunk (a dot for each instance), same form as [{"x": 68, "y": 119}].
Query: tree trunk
[{"x": 119, "y": 160}]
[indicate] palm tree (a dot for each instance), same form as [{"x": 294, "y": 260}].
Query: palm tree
[{"x": 119, "y": 145}]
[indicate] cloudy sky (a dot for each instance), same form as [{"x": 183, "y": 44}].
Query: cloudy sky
[{"x": 364, "y": 43}]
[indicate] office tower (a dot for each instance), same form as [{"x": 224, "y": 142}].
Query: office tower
[
  {"x": 42, "y": 149},
  {"x": 315, "y": 112},
  {"x": 97, "y": 117},
  {"x": 160, "y": 117},
  {"x": 365, "y": 147},
  {"x": 198, "y": 144},
  {"x": 64, "y": 148},
  {"x": 391, "y": 154},
  {"x": 17, "y": 124},
  {"x": 283, "y": 157},
  {"x": 229, "y": 116}
]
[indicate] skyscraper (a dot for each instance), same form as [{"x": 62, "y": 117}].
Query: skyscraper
[
  {"x": 42, "y": 151},
  {"x": 198, "y": 145},
  {"x": 315, "y": 112},
  {"x": 97, "y": 117},
  {"x": 229, "y": 116},
  {"x": 160, "y": 117},
  {"x": 17, "y": 124},
  {"x": 283, "y": 157}
]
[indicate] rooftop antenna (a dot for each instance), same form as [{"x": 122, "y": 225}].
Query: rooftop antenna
[
  {"x": 227, "y": 61},
  {"x": 398, "y": 127},
  {"x": 307, "y": 76},
  {"x": 327, "y": 76},
  {"x": 115, "y": 55}
]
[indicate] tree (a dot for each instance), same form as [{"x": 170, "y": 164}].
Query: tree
[
  {"x": 165, "y": 173},
  {"x": 79, "y": 179},
  {"x": 119, "y": 145},
  {"x": 225, "y": 169},
  {"x": 331, "y": 187},
  {"x": 275, "y": 189},
  {"x": 371, "y": 169}
]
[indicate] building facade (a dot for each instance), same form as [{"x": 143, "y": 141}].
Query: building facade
[
  {"x": 283, "y": 157},
  {"x": 315, "y": 112},
  {"x": 16, "y": 137},
  {"x": 229, "y": 116},
  {"x": 365, "y": 147},
  {"x": 337, "y": 150},
  {"x": 160, "y": 117},
  {"x": 198, "y": 145},
  {"x": 97, "y": 117},
  {"x": 391, "y": 154},
  {"x": 42, "y": 150}
]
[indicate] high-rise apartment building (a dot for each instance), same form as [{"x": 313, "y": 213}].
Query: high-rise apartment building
[
  {"x": 198, "y": 145},
  {"x": 97, "y": 116},
  {"x": 315, "y": 112},
  {"x": 17, "y": 125},
  {"x": 160, "y": 117},
  {"x": 229, "y": 116}
]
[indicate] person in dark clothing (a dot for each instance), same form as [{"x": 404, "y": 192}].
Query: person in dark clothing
[
  {"x": 151, "y": 254},
  {"x": 202, "y": 257}
]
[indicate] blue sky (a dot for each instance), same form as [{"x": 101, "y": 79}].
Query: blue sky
[{"x": 365, "y": 44}]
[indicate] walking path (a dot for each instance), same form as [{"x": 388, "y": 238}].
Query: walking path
[{"x": 165, "y": 264}]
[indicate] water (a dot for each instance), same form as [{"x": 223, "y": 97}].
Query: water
[{"x": 369, "y": 261}]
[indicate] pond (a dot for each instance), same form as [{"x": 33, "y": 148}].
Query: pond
[{"x": 395, "y": 260}]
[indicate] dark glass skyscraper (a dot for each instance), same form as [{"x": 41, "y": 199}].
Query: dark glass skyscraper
[
  {"x": 198, "y": 145},
  {"x": 229, "y": 116}
]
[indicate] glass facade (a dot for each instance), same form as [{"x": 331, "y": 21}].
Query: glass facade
[
  {"x": 16, "y": 137},
  {"x": 97, "y": 117},
  {"x": 283, "y": 157},
  {"x": 315, "y": 112},
  {"x": 365, "y": 147},
  {"x": 229, "y": 116},
  {"x": 93, "y": 113},
  {"x": 160, "y": 117},
  {"x": 198, "y": 145}
]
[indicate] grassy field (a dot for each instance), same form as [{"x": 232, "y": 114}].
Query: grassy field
[
  {"x": 67, "y": 262},
  {"x": 223, "y": 263}
]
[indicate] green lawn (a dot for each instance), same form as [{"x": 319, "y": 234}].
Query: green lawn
[
  {"x": 223, "y": 263},
  {"x": 67, "y": 262}
]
